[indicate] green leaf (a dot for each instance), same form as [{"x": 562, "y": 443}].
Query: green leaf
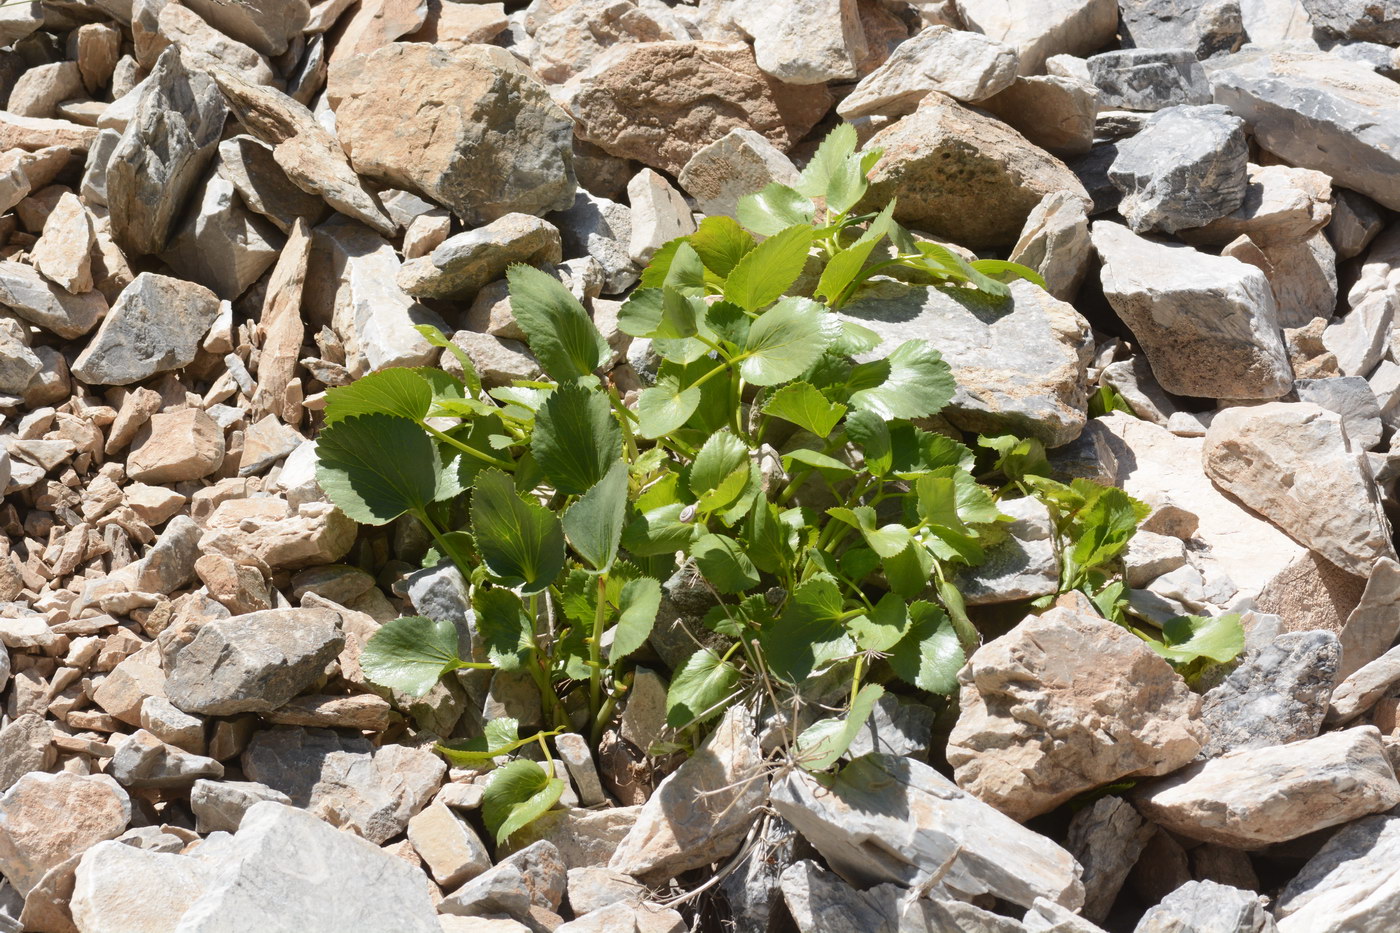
[
  {"x": 769, "y": 269},
  {"x": 871, "y": 434},
  {"x": 882, "y": 629},
  {"x": 410, "y": 654},
  {"x": 576, "y": 438},
  {"x": 828, "y": 161},
  {"x": 521, "y": 543},
  {"x": 721, "y": 243},
  {"x": 679, "y": 315},
  {"x": 765, "y": 536},
  {"x": 786, "y": 341},
  {"x": 1187, "y": 638},
  {"x": 829, "y": 467},
  {"x": 774, "y": 209},
  {"x": 823, "y": 743},
  {"x": 917, "y": 383},
  {"x": 640, "y": 314},
  {"x": 559, "y": 330},
  {"x": 500, "y": 737},
  {"x": 593, "y": 524},
  {"x": 1104, "y": 528},
  {"x": 929, "y": 656},
  {"x": 809, "y": 634},
  {"x": 803, "y": 405},
  {"x": 517, "y": 795},
  {"x": 846, "y": 265},
  {"x": 659, "y": 531},
  {"x": 640, "y": 600},
  {"x": 665, "y": 407},
  {"x": 720, "y": 456},
  {"x": 438, "y": 339},
  {"x": 700, "y": 688},
  {"x": 908, "y": 571},
  {"x": 1007, "y": 272},
  {"x": 1018, "y": 458},
  {"x": 504, "y": 627},
  {"x": 686, "y": 273},
  {"x": 886, "y": 540},
  {"x": 730, "y": 322},
  {"x": 399, "y": 392},
  {"x": 377, "y": 467},
  {"x": 723, "y": 562},
  {"x": 654, "y": 275}
]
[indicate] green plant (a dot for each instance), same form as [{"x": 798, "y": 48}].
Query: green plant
[{"x": 776, "y": 455}]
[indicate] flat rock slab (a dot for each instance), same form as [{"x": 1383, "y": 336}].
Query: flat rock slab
[
  {"x": 1276, "y": 695},
  {"x": 1148, "y": 79},
  {"x": 964, "y": 65},
  {"x": 1352, "y": 882}
]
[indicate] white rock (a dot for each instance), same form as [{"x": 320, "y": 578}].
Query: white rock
[
  {"x": 964, "y": 65},
  {"x": 659, "y": 214},
  {"x": 122, "y": 888},
  {"x": 1352, "y": 883},
  {"x": 1038, "y": 29},
  {"x": 739, "y": 163},
  {"x": 805, "y": 41}
]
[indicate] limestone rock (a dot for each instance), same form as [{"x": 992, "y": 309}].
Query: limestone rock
[
  {"x": 142, "y": 760},
  {"x": 469, "y": 261},
  {"x": 1106, "y": 837},
  {"x": 533, "y": 877},
  {"x": 1280, "y": 204},
  {"x": 1186, "y": 168},
  {"x": 805, "y": 41},
  {"x": 961, "y": 175},
  {"x": 1206, "y": 27},
  {"x": 18, "y": 363},
  {"x": 248, "y": 165},
  {"x": 502, "y": 146},
  {"x": 1302, "y": 274},
  {"x": 1275, "y": 696},
  {"x": 1356, "y": 221},
  {"x": 1374, "y": 623},
  {"x": 964, "y": 65},
  {"x": 1149, "y": 79},
  {"x": 1023, "y": 566},
  {"x": 64, "y": 252},
  {"x": 42, "y": 87},
  {"x": 376, "y": 23},
  {"x": 1019, "y": 362},
  {"x": 452, "y": 850},
  {"x": 1349, "y": 883},
  {"x": 1207, "y": 324},
  {"x": 121, "y": 887},
  {"x": 1286, "y": 461},
  {"x": 1360, "y": 691},
  {"x": 1057, "y": 114},
  {"x": 219, "y": 806},
  {"x": 602, "y": 229},
  {"x": 17, "y": 132},
  {"x": 26, "y": 744},
  {"x": 177, "y": 446},
  {"x": 583, "y": 838},
  {"x": 698, "y": 92},
  {"x": 29, "y": 295},
  {"x": 33, "y": 841},
  {"x": 568, "y": 42},
  {"x": 221, "y": 245},
  {"x": 1201, "y": 905},
  {"x": 269, "y": 26},
  {"x": 155, "y": 326},
  {"x": 1357, "y": 19},
  {"x": 1251, "y": 798},
  {"x": 1106, "y": 707},
  {"x": 1038, "y": 30},
  {"x": 203, "y": 47},
  {"x": 1055, "y": 242},
  {"x": 659, "y": 214}
]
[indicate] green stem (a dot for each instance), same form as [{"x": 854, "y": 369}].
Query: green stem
[
  {"x": 539, "y": 672},
  {"x": 855, "y": 677},
  {"x": 507, "y": 465},
  {"x": 624, "y": 419},
  {"x": 442, "y": 543},
  {"x": 600, "y": 722},
  {"x": 595, "y": 651}
]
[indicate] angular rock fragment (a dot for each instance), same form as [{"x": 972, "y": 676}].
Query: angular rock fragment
[
  {"x": 29, "y": 295},
  {"x": 1199, "y": 905},
  {"x": 659, "y": 214},
  {"x": 1039, "y": 30},
  {"x": 1149, "y": 79},
  {"x": 1356, "y": 221},
  {"x": 176, "y": 447},
  {"x": 1055, "y": 242},
  {"x": 376, "y": 23},
  {"x": 1349, "y": 883},
  {"x": 203, "y": 47},
  {"x": 219, "y": 806},
  {"x": 248, "y": 165},
  {"x": 41, "y": 88},
  {"x": 1362, "y": 689},
  {"x": 142, "y": 760},
  {"x": 469, "y": 261},
  {"x": 1280, "y": 204},
  {"x": 33, "y": 842},
  {"x": 155, "y": 326},
  {"x": 1057, "y": 114},
  {"x": 1275, "y": 696},
  {"x": 1106, "y": 838},
  {"x": 221, "y": 245},
  {"x": 64, "y": 251},
  {"x": 602, "y": 229},
  {"x": 1362, "y": 20},
  {"x": 964, "y": 65},
  {"x": 533, "y": 877},
  {"x": 452, "y": 850},
  {"x": 569, "y": 41},
  {"x": 805, "y": 41},
  {"x": 1206, "y": 27},
  {"x": 1373, "y": 625},
  {"x": 1023, "y": 566},
  {"x": 269, "y": 26},
  {"x": 123, "y": 887}
]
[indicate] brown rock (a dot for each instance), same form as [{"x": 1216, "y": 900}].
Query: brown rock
[
  {"x": 46, "y": 819},
  {"x": 695, "y": 93},
  {"x": 96, "y": 48},
  {"x": 282, "y": 329},
  {"x": 269, "y": 532},
  {"x": 177, "y": 446},
  {"x": 568, "y": 42},
  {"x": 376, "y": 23},
  {"x": 366, "y": 712},
  {"x": 64, "y": 252},
  {"x": 39, "y": 89},
  {"x": 204, "y": 47},
  {"x": 17, "y": 132},
  {"x": 454, "y": 25},
  {"x": 1057, "y": 114},
  {"x": 269, "y": 26}
]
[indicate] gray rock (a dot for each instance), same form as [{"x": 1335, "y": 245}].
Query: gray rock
[
  {"x": 1092, "y": 171},
  {"x": 895, "y": 727},
  {"x": 142, "y": 760},
  {"x": 121, "y": 886},
  {"x": 156, "y": 325},
  {"x": 820, "y": 902},
  {"x": 1302, "y": 274},
  {"x": 885, "y": 819},
  {"x": 1207, "y": 324},
  {"x": 1320, "y": 112},
  {"x": 602, "y": 229},
  {"x": 1360, "y": 691},
  {"x": 248, "y": 165},
  {"x": 583, "y": 838},
  {"x": 270, "y": 26},
  {"x": 1185, "y": 169},
  {"x": 1055, "y": 242},
  {"x": 222, "y": 245},
  {"x": 255, "y": 662},
  {"x": 753, "y": 892},
  {"x": 1023, "y": 566},
  {"x": 162, "y": 153},
  {"x": 740, "y": 162},
  {"x": 964, "y": 65},
  {"x": 440, "y": 594},
  {"x": 219, "y": 806},
  {"x": 1148, "y": 79},
  {"x": 533, "y": 877},
  {"x": 1367, "y": 20},
  {"x": 18, "y": 363},
  {"x": 1077, "y": 27},
  {"x": 1350, "y": 884},
  {"x": 26, "y": 744},
  {"x": 1356, "y": 221},
  {"x": 1020, "y": 363},
  {"x": 40, "y": 302},
  {"x": 1206, "y": 27},
  {"x": 285, "y": 863},
  {"x": 1373, "y": 625},
  {"x": 467, "y": 262},
  {"x": 1208, "y": 907},
  {"x": 1106, "y": 838},
  {"x": 1353, "y": 399},
  {"x": 1277, "y": 695}
]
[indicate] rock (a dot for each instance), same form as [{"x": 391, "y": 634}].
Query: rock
[
  {"x": 1055, "y": 242},
  {"x": 502, "y": 147},
  {"x": 19, "y": 21},
  {"x": 533, "y": 877},
  {"x": 1020, "y": 363},
  {"x": 1207, "y": 324},
  {"x": 1074, "y": 27},
  {"x": 701, "y": 812},
  {"x": 30, "y": 296},
  {"x": 142, "y": 760},
  {"x": 1373, "y": 624},
  {"x": 1353, "y": 399},
  {"x": 155, "y": 326},
  {"x": 1362, "y": 689},
  {"x": 961, "y": 175},
  {"x": 1281, "y": 204},
  {"x": 1356, "y": 221},
  {"x": 253, "y": 663},
  {"x": 17, "y": 132},
  {"x": 160, "y": 717},
  {"x": 26, "y": 744},
  {"x": 928, "y": 832},
  {"x": 221, "y": 245},
  {"x": 33, "y": 843},
  {"x": 18, "y": 364},
  {"x": 1280, "y": 458},
  {"x": 700, "y": 91},
  {"x": 1023, "y": 566},
  {"x": 1107, "y": 707},
  {"x": 162, "y": 154},
  {"x": 469, "y": 261},
  {"x": 270, "y": 27},
  {"x": 1255, "y": 797},
  {"x": 311, "y": 156},
  {"x": 1106, "y": 837},
  {"x": 964, "y": 65},
  {"x": 574, "y": 752},
  {"x": 64, "y": 252},
  {"x": 499, "y": 362},
  {"x": 1355, "y": 19},
  {"x": 448, "y": 845},
  {"x": 1149, "y": 79},
  {"x": 1319, "y": 112},
  {"x": 741, "y": 162},
  {"x": 1185, "y": 168},
  {"x": 602, "y": 229},
  {"x": 121, "y": 887},
  {"x": 1206, "y": 905},
  {"x": 202, "y": 47},
  {"x": 820, "y": 901},
  {"x": 284, "y": 862},
  {"x": 248, "y": 164},
  {"x": 177, "y": 446},
  {"x": 583, "y": 838},
  {"x": 659, "y": 215},
  {"x": 1348, "y": 884},
  {"x": 568, "y": 42},
  {"x": 805, "y": 43},
  {"x": 219, "y": 806},
  {"x": 377, "y": 23},
  {"x": 1303, "y": 276},
  {"x": 1057, "y": 114},
  {"x": 42, "y": 87},
  {"x": 593, "y": 888},
  {"x": 1275, "y": 696},
  {"x": 1206, "y": 27}
]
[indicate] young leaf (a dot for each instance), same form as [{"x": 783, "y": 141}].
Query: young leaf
[
  {"x": 823, "y": 743},
  {"x": 699, "y": 689},
  {"x": 521, "y": 542},
  {"x": 640, "y": 600},
  {"x": 929, "y": 656},
  {"x": 500, "y": 737},
  {"x": 665, "y": 407},
  {"x": 721, "y": 243},
  {"x": 1018, "y": 458},
  {"x": 438, "y": 339},
  {"x": 686, "y": 273},
  {"x": 829, "y": 467},
  {"x": 517, "y": 795},
  {"x": 786, "y": 340},
  {"x": 593, "y": 524},
  {"x": 1007, "y": 272},
  {"x": 846, "y": 265},
  {"x": 769, "y": 269},
  {"x": 809, "y": 634},
  {"x": 1187, "y": 638},
  {"x": 1104, "y": 528},
  {"x": 721, "y": 455},
  {"x": 723, "y": 562},
  {"x": 576, "y": 438},
  {"x": 559, "y": 330},
  {"x": 410, "y": 654},
  {"x": 882, "y": 629},
  {"x": 377, "y": 467},
  {"x": 774, "y": 209},
  {"x": 505, "y": 627},
  {"x": 403, "y": 393},
  {"x": 917, "y": 383},
  {"x": 828, "y": 161},
  {"x": 804, "y": 406}
]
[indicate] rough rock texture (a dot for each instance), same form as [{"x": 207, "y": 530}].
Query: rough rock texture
[
  {"x": 155, "y": 325},
  {"x": 1275, "y": 696},
  {"x": 1106, "y": 838},
  {"x": 121, "y": 887},
  {"x": 33, "y": 298},
  {"x": 1363, "y": 20},
  {"x": 741, "y": 162},
  {"x": 805, "y": 42},
  {"x": 1374, "y": 623},
  {"x": 467, "y": 262},
  {"x": 1055, "y": 242},
  {"x": 1202, "y": 905},
  {"x": 1062, "y": 703},
  {"x": 1055, "y": 113},
  {"x": 964, "y": 65},
  {"x": 46, "y": 819},
  {"x": 1038, "y": 30},
  {"x": 1281, "y": 204},
  {"x": 1349, "y": 883},
  {"x": 1148, "y": 79},
  {"x": 1024, "y": 565}
]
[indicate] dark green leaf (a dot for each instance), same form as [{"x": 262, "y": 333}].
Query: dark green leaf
[
  {"x": 377, "y": 467},
  {"x": 803, "y": 405},
  {"x": 521, "y": 542},
  {"x": 559, "y": 330},
  {"x": 765, "y": 536},
  {"x": 593, "y": 524},
  {"x": 700, "y": 688},
  {"x": 410, "y": 654},
  {"x": 929, "y": 657},
  {"x": 729, "y": 322},
  {"x": 908, "y": 571},
  {"x": 810, "y": 633},
  {"x": 723, "y": 562},
  {"x": 721, "y": 243},
  {"x": 774, "y": 209},
  {"x": 505, "y": 627},
  {"x": 1105, "y": 527},
  {"x": 823, "y": 743},
  {"x": 517, "y": 795},
  {"x": 641, "y": 598},
  {"x": 882, "y": 629},
  {"x": 658, "y": 531},
  {"x": 919, "y": 383},
  {"x": 787, "y": 340},
  {"x": 721, "y": 455},
  {"x": 576, "y": 438},
  {"x": 769, "y": 269},
  {"x": 871, "y": 433},
  {"x": 400, "y": 392},
  {"x": 640, "y": 314}
]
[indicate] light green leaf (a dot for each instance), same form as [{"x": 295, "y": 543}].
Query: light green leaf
[
  {"x": 786, "y": 341},
  {"x": 659, "y": 531},
  {"x": 721, "y": 243},
  {"x": 517, "y": 795},
  {"x": 1187, "y": 638},
  {"x": 887, "y": 540},
  {"x": 829, "y": 467},
  {"x": 700, "y": 688},
  {"x": 377, "y": 467},
  {"x": 871, "y": 434},
  {"x": 593, "y": 524},
  {"x": 882, "y": 629},
  {"x": 929, "y": 656},
  {"x": 640, "y": 314},
  {"x": 576, "y": 438},
  {"x": 917, "y": 383},
  {"x": 803, "y": 405},
  {"x": 828, "y": 161},
  {"x": 769, "y": 269},
  {"x": 410, "y": 654},
  {"x": 823, "y": 743},
  {"x": 438, "y": 339},
  {"x": 810, "y": 633},
  {"x": 400, "y": 392},
  {"x": 504, "y": 627},
  {"x": 1007, "y": 272},
  {"x": 686, "y": 273},
  {"x": 1104, "y": 528},
  {"x": 641, "y": 598},
  {"x": 559, "y": 330},
  {"x": 723, "y": 562},
  {"x": 720, "y": 456},
  {"x": 521, "y": 542},
  {"x": 847, "y": 264},
  {"x": 500, "y": 737},
  {"x": 665, "y": 407},
  {"x": 774, "y": 209},
  {"x": 679, "y": 315}
]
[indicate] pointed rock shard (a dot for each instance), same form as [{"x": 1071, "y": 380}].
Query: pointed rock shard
[
  {"x": 1374, "y": 624},
  {"x": 964, "y": 65},
  {"x": 155, "y": 326},
  {"x": 64, "y": 252},
  {"x": 35, "y": 299},
  {"x": 282, "y": 329}
]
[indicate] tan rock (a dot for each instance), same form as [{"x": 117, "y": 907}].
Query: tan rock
[
  {"x": 448, "y": 845},
  {"x": 741, "y": 162},
  {"x": 1057, "y": 114},
  {"x": 805, "y": 41},
  {"x": 584, "y": 838},
  {"x": 269, "y": 26},
  {"x": 1038, "y": 29},
  {"x": 47, "y": 819},
  {"x": 366, "y": 712},
  {"x": 569, "y": 41},
  {"x": 237, "y": 586},
  {"x": 375, "y": 23},
  {"x": 963, "y": 65},
  {"x": 204, "y": 47},
  {"x": 1055, "y": 242},
  {"x": 1281, "y": 203},
  {"x": 177, "y": 446},
  {"x": 249, "y": 165},
  {"x": 269, "y": 532},
  {"x": 122, "y": 692},
  {"x": 39, "y": 89},
  {"x": 962, "y": 176},
  {"x": 64, "y": 251},
  {"x": 17, "y": 132},
  {"x": 455, "y": 25},
  {"x": 1373, "y": 624},
  {"x": 96, "y": 48},
  {"x": 1253, "y": 798},
  {"x": 1292, "y": 463},
  {"x": 1063, "y": 703},
  {"x": 425, "y": 233},
  {"x": 1311, "y": 593},
  {"x": 700, "y": 91},
  {"x": 282, "y": 330},
  {"x": 464, "y": 264},
  {"x": 659, "y": 215}
]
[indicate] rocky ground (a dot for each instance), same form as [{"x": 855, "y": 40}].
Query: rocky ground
[{"x": 214, "y": 210}]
